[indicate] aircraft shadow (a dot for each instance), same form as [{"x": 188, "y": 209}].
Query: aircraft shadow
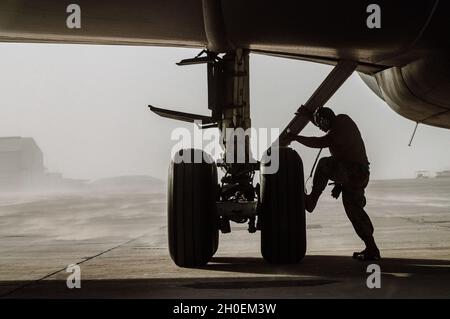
[{"x": 325, "y": 276}]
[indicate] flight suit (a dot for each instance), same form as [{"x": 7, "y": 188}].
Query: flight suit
[
  {"x": 353, "y": 177},
  {"x": 348, "y": 167}
]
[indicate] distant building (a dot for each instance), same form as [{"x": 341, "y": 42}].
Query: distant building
[
  {"x": 21, "y": 162},
  {"x": 422, "y": 174},
  {"x": 443, "y": 174}
]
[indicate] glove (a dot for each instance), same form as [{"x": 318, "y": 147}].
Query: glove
[{"x": 336, "y": 191}]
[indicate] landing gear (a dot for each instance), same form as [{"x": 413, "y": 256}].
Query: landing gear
[
  {"x": 282, "y": 214},
  {"x": 192, "y": 222},
  {"x": 198, "y": 206}
]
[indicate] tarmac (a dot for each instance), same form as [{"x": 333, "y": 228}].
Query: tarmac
[{"x": 119, "y": 240}]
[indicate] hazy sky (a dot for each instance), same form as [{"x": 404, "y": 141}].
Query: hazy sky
[{"x": 86, "y": 107}]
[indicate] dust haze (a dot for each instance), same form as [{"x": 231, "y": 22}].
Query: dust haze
[
  {"x": 76, "y": 130},
  {"x": 86, "y": 109}
]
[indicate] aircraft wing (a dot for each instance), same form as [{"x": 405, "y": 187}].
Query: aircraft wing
[{"x": 130, "y": 22}]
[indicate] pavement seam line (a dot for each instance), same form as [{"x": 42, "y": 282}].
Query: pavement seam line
[{"x": 33, "y": 282}]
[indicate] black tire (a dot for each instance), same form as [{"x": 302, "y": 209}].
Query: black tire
[
  {"x": 282, "y": 215},
  {"x": 192, "y": 221},
  {"x": 216, "y": 243}
]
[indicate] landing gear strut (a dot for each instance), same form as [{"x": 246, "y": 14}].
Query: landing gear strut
[{"x": 199, "y": 206}]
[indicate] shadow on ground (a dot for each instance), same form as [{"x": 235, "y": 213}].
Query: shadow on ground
[
  {"x": 330, "y": 266},
  {"x": 316, "y": 276}
]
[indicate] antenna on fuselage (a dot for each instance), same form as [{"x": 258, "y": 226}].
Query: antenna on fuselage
[{"x": 414, "y": 134}]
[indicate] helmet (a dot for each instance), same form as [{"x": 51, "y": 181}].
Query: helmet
[{"x": 322, "y": 118}]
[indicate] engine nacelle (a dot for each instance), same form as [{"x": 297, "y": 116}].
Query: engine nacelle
[{"x": 419, "y": 91}]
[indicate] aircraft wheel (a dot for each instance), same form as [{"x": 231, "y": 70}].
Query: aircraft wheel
[
  {"x": 216, "y": 243},
  {"x": 192, "y": 222},
  {"x": 282, "y": 216}
]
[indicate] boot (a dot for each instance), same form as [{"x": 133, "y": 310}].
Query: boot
[
  {"x": 371, "y": 253},
  {"x": 367, "y": 255}
]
